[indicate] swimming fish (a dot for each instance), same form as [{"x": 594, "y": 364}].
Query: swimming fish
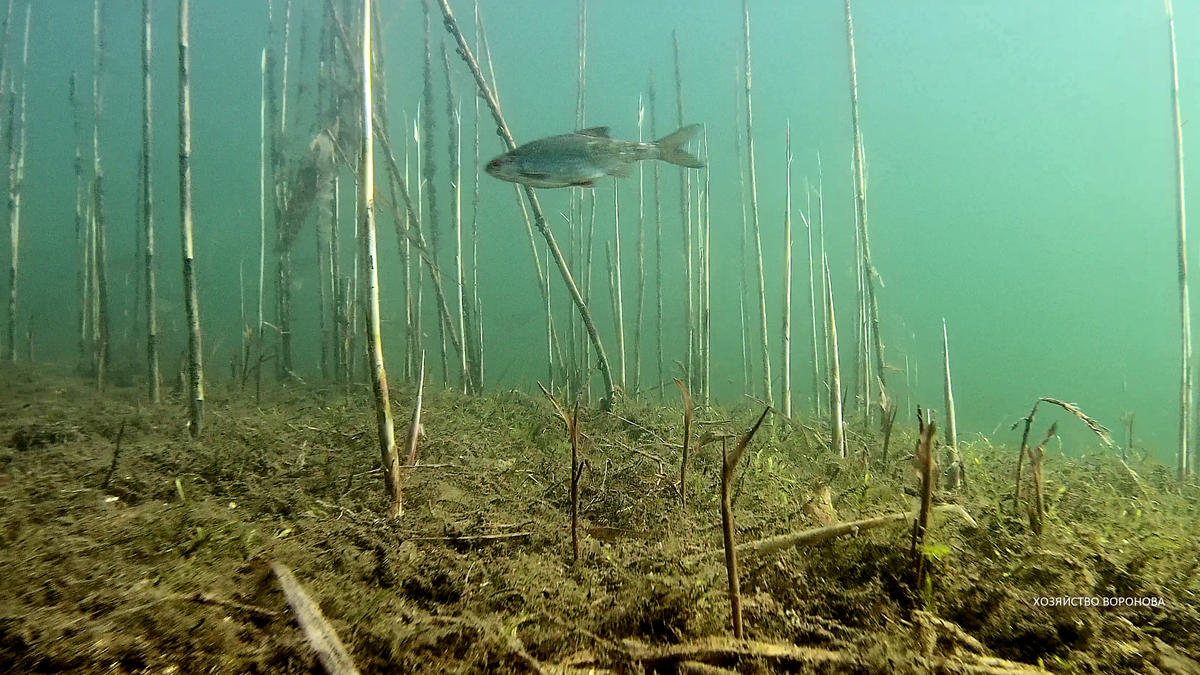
[{"x": 582, "y": 158}]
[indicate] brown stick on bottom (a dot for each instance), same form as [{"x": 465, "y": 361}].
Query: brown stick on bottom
[
  {"x": 687, "y": 435},
  {"x": 728, "y": 464},
  {"x": 925, "y": 463}
]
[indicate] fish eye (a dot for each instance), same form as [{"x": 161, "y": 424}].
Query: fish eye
[{"x": 494, "y": 164}]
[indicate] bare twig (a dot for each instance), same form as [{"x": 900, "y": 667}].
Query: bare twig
[{"x": 729, "y": 463}]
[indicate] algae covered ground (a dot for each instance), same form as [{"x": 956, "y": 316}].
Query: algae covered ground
[{"x": 160, "y": 560}]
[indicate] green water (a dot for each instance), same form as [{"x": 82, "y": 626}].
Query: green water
[{"x": 1020, "y": 183}]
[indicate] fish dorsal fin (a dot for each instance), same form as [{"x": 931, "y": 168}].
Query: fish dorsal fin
[{"x": 597, "y": 132}]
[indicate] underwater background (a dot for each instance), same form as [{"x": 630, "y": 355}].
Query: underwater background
[{"x": 1020, "y": 174}]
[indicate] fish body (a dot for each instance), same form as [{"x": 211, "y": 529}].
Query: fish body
[{"x": 582, "y": 158}]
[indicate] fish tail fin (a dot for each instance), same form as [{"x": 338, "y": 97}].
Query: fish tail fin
[{"x": 673, "y": 148}]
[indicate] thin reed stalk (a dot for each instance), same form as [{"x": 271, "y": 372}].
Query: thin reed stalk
[
  {"x": 195, "y": 360},
  {"x": 429, "y": 170},
  {"x": 100, "y": 258},
  {"x": 454, "y": 134},
  {"x": 824, "y": 281},
  {"x": 83, "y": 260},
  {"x": 15, "y": 186},
  {"x": 685, "y": 216},
  {"x": 862, "y": 361},
  {"x": 641, "y": 262},
  {"x": 837, "y": 434},
  {"x": 477, "y": 303},
  {"x": 706, "y": 279},
  {"x": 152, "y": 375},
  {"x": 744, "y": 287},
  {"x": 812, "y": 304},
  {"x": 367, "y": 244},
  {"x": 1187, "y": 387},
  {"x": 283, "y": 90},
  {"x": 658, "y": 243},
  {"x": 861, "y": 199},
  {"x": 951, "y": 437},
  {"x": 619, "y": 293},
  {"x": 584, "y": 242},
  {"x": 262, "y": 216},
  {"x": 787, "y": 278},
  {"x": 411, "y": 210},
  {"x": 539, "y": 217},
  {"x": 762, "y": 289}
]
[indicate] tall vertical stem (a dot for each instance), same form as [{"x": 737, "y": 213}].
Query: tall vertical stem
[
  {"x": 148, "y": 210},
  {"x": 477, "y": 302},
  {"x": 641, "y": 262},
  {"x": 16, "y": 183},
  {"x": 539, "y": 216},
  {"x": 366, "y": 186},
  {"x": 951, "y": 423},
  {"x": 429, "y": 170},
  {"x": 861, "y": 199},
  {"x": 262, "y": 210},
  {"x": 1186, "y": 391},
  {"x": 190, "y": 296},
  {"x": 812, "y": 303},
  {"x": 762, "y": 291},
  {"x": 454, "y": 134},
  {"x": 706, "y": 279},
  {"x": 658, "y": 244},
  {"x": 744, "y": 286},
  {"x": 83, "y": 275},
  {"x": 787, "y": 280},
  {"x": 620, "y": 301},
  {"x": 100, "y": 259},
  {"x": 837, "y": 433},
  {"x": 685, "y": 215}
]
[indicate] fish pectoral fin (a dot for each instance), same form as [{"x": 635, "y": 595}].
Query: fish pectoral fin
[
  {"x": 535, "y": 175},
  {"x": 595, "y": 132}
]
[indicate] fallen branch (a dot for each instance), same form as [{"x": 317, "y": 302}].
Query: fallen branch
[
  {"x": 320, "y": 634},
  {"x": 820, "y": 535},
  {"x": 931, "y": 627},
  {"x": 723, "y": 648},
  {"x": 476, "y": 537}
]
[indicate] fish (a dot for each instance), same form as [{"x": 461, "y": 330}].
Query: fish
[{"x": 582, "y": 158}]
